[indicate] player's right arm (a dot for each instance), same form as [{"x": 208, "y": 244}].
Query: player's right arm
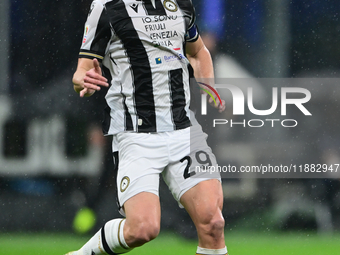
[{"x": 88, "y": 77}]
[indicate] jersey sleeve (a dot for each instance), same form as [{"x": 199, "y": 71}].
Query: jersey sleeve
[
  {"x": 192, "y": 32},
  {"x": 97, "y": 33}
]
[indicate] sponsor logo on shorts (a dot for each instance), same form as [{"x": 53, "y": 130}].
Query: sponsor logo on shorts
[
  {"x": 170, "y": 6},
  {"x": 124, "y": 184}
]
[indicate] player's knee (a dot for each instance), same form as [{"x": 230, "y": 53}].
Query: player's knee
[
  {"x": 145, "y": 232},
  {"x": 212, "y": 224},
  {"x": 216, "y": 226}
]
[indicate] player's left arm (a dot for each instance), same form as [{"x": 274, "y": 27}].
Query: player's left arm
[{"x": 200, "y": 60}]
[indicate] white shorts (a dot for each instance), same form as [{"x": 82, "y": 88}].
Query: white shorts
[{"x": 175, "y": 155}]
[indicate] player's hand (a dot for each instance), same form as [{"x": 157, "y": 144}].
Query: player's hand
[
  {"x": 214, "y": 98},
  {"x": 219, "y": 105},
  {"x": 93, "y": 80}
]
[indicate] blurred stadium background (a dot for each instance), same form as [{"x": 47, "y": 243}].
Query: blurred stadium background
[{"x": 52, "y": 153}]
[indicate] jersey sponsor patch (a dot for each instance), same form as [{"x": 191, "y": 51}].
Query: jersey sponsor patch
[
  {"x": 170, "y": 58},
  {"x": 86, "y": 31},
  {"x": 158, "y": 61}
]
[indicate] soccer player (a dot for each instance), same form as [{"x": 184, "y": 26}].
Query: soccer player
[{"x": 148, "y": 51}]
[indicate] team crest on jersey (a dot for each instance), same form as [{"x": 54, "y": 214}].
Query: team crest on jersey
[
  {"x": 170, "y": 5},
  {"x": 124, "y": 183}
]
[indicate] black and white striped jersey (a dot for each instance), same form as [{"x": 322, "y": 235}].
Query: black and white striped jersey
[{"x": 142, "y": 45}]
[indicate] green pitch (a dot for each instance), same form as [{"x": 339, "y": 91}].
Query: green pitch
[{"x": 239, "y": 243}]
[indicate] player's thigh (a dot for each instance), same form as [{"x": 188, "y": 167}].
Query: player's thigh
[
  {"x": 204, "y": 201},
  {"x": 143, "y": 217},
  {"x": 190, "y": 153},
  {"x": 141, "y": 160}
]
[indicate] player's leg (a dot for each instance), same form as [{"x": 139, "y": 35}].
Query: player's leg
[
  {"x": 204, "y": 204},
  {"x": 140, "y": 163},
  {"x": 143, "y": 215},
  {"x": 138, "y": 183},
  {"x": 142, "y": 224},
  {"x": 200, "y": 192}
]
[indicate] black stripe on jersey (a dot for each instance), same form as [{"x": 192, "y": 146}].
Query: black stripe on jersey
[
  {"x": 179, "y": 115},
  {"x": 106, "y": 74},
  {"x": 194, "y": 91},
  {"x": 104, "y": 242},
  {"x": 107, "y": 110},
  {"x": 189, "y": 12},
  {"x": 103, "y": 34},
  {"x": 150, "y": 10},
  {"x": 107, "y": 120},
  {"x": 128, "y": 119},
  {"x": 140, "y": 66}
]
